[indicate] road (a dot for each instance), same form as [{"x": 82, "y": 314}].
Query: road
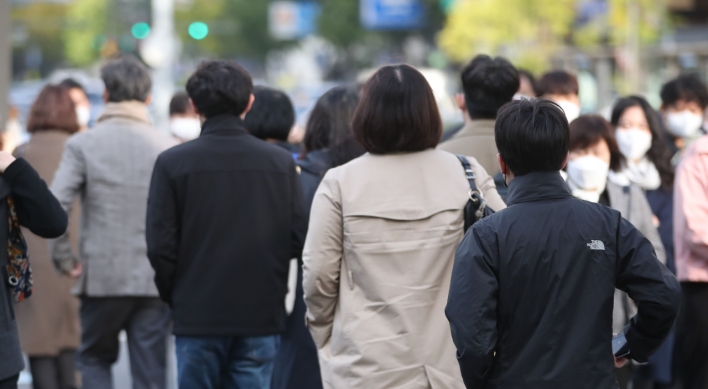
[{"x": 121, "y": 370}]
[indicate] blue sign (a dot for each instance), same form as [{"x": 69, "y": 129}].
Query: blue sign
[
  {"x": 391, "y": 14},
  {"x": 292, "y": 20}
]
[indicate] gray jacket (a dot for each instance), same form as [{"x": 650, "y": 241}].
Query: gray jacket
[
  {"x": 631, "y": 202},
  {"x": 110, "y": 167}
]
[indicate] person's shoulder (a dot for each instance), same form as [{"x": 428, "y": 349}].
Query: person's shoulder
[
  {"x": 584, "y": 207},
  {"x": 178, "y": 151},
  {"x": 79, "y": 139},
  {"x": 700, "y": 146}
]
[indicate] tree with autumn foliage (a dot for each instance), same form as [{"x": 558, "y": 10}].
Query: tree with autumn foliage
[{"x": 529, "y": 31}]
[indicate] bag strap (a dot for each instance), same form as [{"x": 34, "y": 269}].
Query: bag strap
[{"x": 469, "y": 173}]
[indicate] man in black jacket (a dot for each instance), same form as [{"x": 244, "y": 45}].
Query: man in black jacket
[
  {"x": 225, "y": 216},
  {"x": 530, "y": 302}
]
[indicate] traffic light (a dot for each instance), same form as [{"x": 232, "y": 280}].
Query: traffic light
[
  {"x": 140, "y": 30},
  {"x": 198, "y": 30}
]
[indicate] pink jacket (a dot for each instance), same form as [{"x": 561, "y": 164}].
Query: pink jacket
[{"x": 691, "y": 214}]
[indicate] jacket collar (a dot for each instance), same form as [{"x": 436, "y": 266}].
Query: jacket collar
[
  {"x": 225, "y": 124},
  {"x": 133, "y": 109},
  {"x": 316, "y": 162},
  {"x": 477, "y": 127},
  {"x": 537, "y": 186}
]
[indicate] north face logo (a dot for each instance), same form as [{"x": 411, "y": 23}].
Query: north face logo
[{"x": 596, "y": 245}]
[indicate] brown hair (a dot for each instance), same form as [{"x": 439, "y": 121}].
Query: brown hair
[
  {"x": 558, "y": 82},
  {"x": 53, "y": 110},
  {"x": 397, "y": 112},
  {"x": 587, "y": 130}
]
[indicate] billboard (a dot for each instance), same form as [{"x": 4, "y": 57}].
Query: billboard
[{"x": 391, "y": 14}]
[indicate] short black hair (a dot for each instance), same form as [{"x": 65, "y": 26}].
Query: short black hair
[
  {"x": 558, "y": 82},
  {"x": 686, "y": 87},
  {"x": 272, "y": 115},
  {"x": 180, "y": 104},
  {"x": 532, "y": 136},
  {"x": 397, "y": 112},
  {"x": 488, "y": 84},
  {"x": 523, "y": 73},
  {"x": 70, "y": 83},
  {"x": 220, "y": 87},
  {"x": 126, "y": 79}
]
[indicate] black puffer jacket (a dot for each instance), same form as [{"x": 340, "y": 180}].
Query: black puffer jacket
[{"x": 532, "y": 289}]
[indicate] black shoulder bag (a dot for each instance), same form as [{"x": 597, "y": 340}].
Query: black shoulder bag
[{"x": 476, "y": 207}]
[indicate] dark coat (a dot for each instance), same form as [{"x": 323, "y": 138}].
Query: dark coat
[
  {"x": 535, "y": 283},
  {"x": 224, "y": 219},
  {"x": 296, "y": 365},
  {"x": 661, "y": 202},
  {"x": 40, "y": 212}
]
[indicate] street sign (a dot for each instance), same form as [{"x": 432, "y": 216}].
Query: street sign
[
  {"x": 292, "y": 20},
  {"x": 391, "y": 14}
]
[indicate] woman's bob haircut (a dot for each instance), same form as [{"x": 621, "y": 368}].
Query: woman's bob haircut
[{"x": 397, "y": 112}]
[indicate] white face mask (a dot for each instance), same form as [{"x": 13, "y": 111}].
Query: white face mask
[
  {"x": 572, "y": 110},
  {"x": 633, "y": 143},
  {"x": 185, "y": 128},
  {"x": 684, "y": 124},
  {"x": 588, "y": 173},
  {"x": 83, "y": 115}
]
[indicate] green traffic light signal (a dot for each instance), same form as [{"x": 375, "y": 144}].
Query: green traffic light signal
[
  {"x": 140, "y": 30},
  {"x": 198, "y": 30}
]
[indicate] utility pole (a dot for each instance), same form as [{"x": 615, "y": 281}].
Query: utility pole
[
  {"x": 632, "y": 47},
  {"x": 5, "y": 60},
  {"x": 163, "y": 28}
]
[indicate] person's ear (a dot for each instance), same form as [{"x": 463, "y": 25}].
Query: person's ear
[
  {"x": 105, "y": 96},
  {"x": 250, "y": 105},
  {"x": 565, "y": 161},
  {"x": 504, "y": 167},
  {"x": 460, "y": 97},
  {"x": 148, "y": 99},
  {"x": 196, "y": 111},
  {"x": 194, "y": 108}
]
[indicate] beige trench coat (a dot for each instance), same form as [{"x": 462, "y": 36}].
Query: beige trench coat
[
  {"x": 49, "y": 320},
  {"x": 377, "y": 265}
]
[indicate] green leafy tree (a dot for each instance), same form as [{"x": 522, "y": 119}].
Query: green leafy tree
[
  {"x": 530, "y": 31},
  {"x": 86, "y": 24},
  {"x": 101, "y": 28},
  {"x": 646, "y": 19},
  {"x": 41, "y": 24},
  {"x": 526, "y": 31}
]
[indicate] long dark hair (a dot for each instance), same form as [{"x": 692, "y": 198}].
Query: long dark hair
[
  {"x": 329, "y": 126},
  {"x": 658, "y": 153}
]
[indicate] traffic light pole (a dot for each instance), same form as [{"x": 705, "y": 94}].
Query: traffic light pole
[
  {"x": 5, "y": 60},
  {"x": 163, "y": 20}
]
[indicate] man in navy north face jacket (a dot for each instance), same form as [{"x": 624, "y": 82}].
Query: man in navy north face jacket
[{"x": 531, "y": 296}]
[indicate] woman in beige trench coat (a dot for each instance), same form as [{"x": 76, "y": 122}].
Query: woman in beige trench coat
[
  {"x": 381, "y": 243},
  {"x": 49, "y": 320}
]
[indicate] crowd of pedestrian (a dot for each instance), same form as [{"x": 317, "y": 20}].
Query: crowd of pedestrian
[{"x": 507, "y": 253}]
